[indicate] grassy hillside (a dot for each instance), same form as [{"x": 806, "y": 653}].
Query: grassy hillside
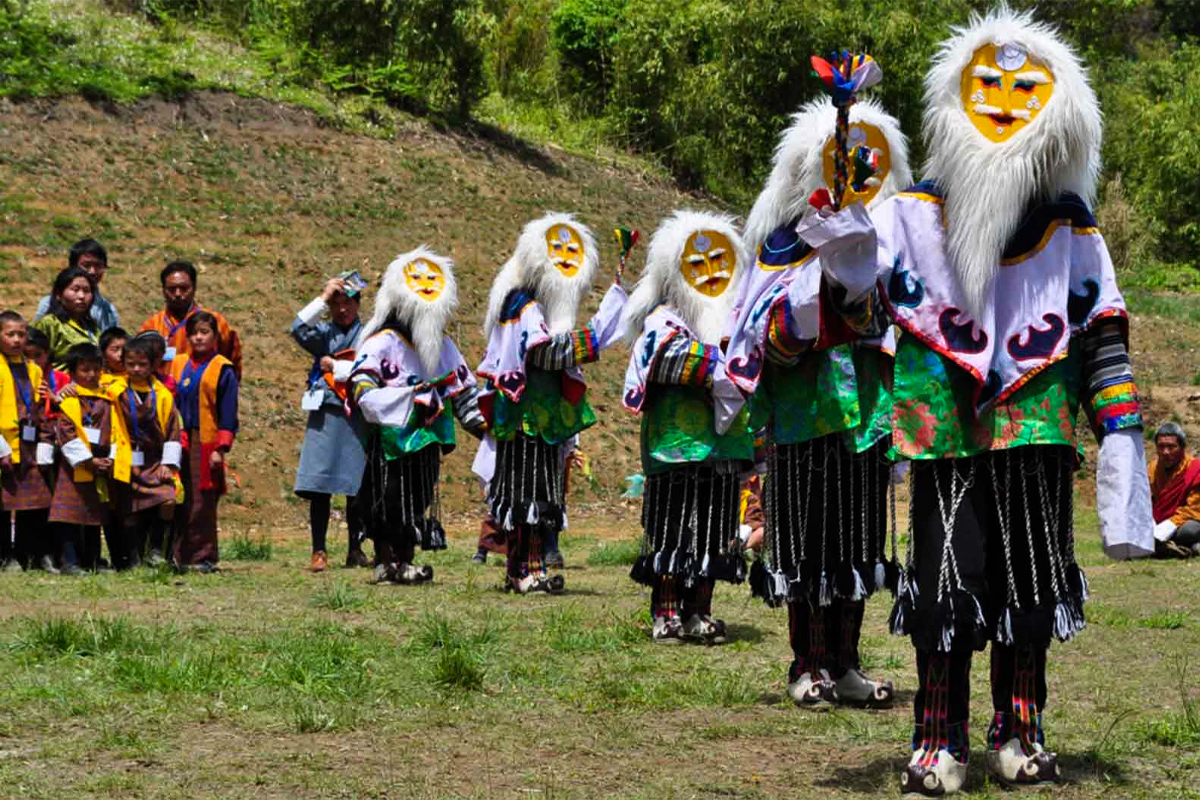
[
  {"x": 270, "y": 184},
  {"x": 268, "y": 202}
]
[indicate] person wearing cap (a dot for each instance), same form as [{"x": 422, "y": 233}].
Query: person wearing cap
[
  {"x": 1175, "y": 492},
  {"x": 332, "y": 458},
  {"x": 179, "y": 292}
]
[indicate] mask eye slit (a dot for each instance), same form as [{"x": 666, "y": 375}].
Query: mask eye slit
[{"x": 990, "y": 81}]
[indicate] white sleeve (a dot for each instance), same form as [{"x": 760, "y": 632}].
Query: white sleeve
[
  {"x": 1123, "y": 496},
  {"x": 389, "y": 405},
  {"x": 846, "y": 244},
  {"x": 45, "y": 454},
  {"x": 76, "y": 451},
  {"x": 607, "y": 322},
  {"x": 172, "y": 454},
  {"x": 342, "y": 369},
  {"x": 312, "y": 312},
  {"x": 5, "y": 448}
]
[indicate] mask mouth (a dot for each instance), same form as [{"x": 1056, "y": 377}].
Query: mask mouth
[
  {"x": 1003, "y": 119},
  {"x": 566, "y": 266},
  {"x": 716, "y": 277}
]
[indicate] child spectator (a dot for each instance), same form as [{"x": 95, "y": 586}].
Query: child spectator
[
  {"x": 112, "y": 347},
  {"x": 69, "y": 321},
  {"x": 94, "y": 453},
  {"x": 332, "y": 458},
  {"x": 24, "y": 445},
  {"x": 149, "y": 417},
  {"x": 160, "y": 364},
  {"x": 207, "y": 398},
  {"x": 37, "y": 351}
]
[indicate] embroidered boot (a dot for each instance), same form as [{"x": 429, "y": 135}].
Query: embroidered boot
[
  {"x": 1016, "y": 754},
  {"x": 842, "y": 635},
  {"x": 809, "y": 684},
  {"x": 938, "y": 766}
]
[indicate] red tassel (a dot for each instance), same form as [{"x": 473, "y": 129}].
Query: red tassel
[{"x": 820, "y": 199}]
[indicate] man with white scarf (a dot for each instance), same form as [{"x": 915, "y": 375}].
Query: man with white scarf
[
  {"x": 407, "y": 379},
  {"x": 535, "y": 399},
  {"x": 825, "y": 404},
  {"x": 1011, "y": 319},
  {"x": 676, "y": 321}
]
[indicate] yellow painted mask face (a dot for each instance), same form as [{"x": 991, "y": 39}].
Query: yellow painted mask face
[
  {"x": 565, "y": 249},
  {"x": 864, "y": 191},
  {"x": 1004, "y": 89},
  {"x": 425, "y": 279},
  {"x": 707, "y": 263}
]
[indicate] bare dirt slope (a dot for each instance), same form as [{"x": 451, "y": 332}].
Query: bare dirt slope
[{"x": 267, "y": 203}]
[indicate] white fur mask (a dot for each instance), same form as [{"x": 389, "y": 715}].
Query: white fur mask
[
  {"x": 797, "y": 171},
  {"x": 990, "y": 185},
  {"x": 530, "y": 268},
  {"x": 425, "y": 319},
  {"x": 662, "y": 280}
]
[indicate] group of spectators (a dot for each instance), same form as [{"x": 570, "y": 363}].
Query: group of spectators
[{"x": 104, "y": 429}]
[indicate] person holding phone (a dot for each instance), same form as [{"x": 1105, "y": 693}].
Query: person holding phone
[{"x": 332, "y": 459}]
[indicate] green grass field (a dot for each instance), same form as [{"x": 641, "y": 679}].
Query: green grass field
[{"x": 269, "y": 681}]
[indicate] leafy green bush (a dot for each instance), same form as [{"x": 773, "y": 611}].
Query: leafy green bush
[
  {"x": 522, "y": 63},
  {"x": 585, "y": 34},
  {"x": 1150, "y": 111}
]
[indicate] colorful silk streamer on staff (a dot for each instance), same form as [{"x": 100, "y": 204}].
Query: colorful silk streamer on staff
[
  {"x": 844, "y": 75},
  {"x": 626, "y": 238}
]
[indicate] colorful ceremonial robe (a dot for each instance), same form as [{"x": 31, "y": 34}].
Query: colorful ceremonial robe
[
  {"x": 668, "y": 381},
  {"x": 549, "y": 402},
  {"x": 408, "y": 407},
  {"x": 837, "y": 386},
  {"x": 1016, "y": 377}
]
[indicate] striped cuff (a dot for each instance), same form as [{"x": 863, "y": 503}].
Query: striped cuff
[
  {"x": 780, "y": 337},
  {"x": 586, "y": 345},
  {"x": 1116, "y": 408},
  {"x": 699, "y": 363}
]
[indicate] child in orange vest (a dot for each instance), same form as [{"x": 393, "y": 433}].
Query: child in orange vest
[
  {"x": 206, "y": 395},
  {"x": 91, "y": 444},
  {"x": 24, "y": 445},
  {"x": 148, "y": 414}
]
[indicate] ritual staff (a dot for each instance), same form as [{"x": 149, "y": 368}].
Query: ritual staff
[
  {"x": 826, "y": 406},
  {"x": 410, "y": 381},
  {"x": 1002, "y": 285},
  {"x": 332, "y": 458},
  {"x": 535, "y": 398},
  {"x": 675, "y": 320},
  {"x": 179, "y": 280}
]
